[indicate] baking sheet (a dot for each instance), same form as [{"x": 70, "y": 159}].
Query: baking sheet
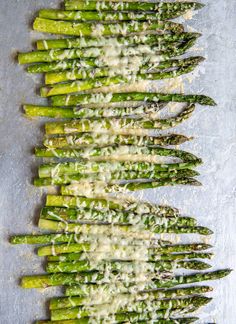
[{"x": 215, "y": 141}]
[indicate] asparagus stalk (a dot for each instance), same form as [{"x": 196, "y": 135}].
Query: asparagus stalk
[
  {"x": 144, "y": 221},
  {"x": 138, "y": 207},
  {"x": 126, "y": 267},
  {"x": 59, "y": 169},
  {"x": 167, "y": 257},
  {"x": 129, "y": 204},
  {"x": 113, "y": 216},
  {"x": 113, "y": 177},
  {"x": 73, "y": 15},
  {"x": 101, "y": 98},
  {"x": 175, "y": 320},
  {"x": 101, "y": 189},
  {"x": 77, "y": 86},
  {"x": 163, "y": 68},
  {"x": 58, "y": 279},
  {"x": 92, "y": 52},
  {"x": 97, "y": 30},
  {"x": 96, "y": 139},
  {"x": 117, "y": 216},
  {"x": 137, "y": 307},
  {"x": 122, "y": 126},
  {"x": 80, "y": 238},
  {"x": 147, "y": 110},
  {"x": 86, "y": 295},
  {"x": 118, "y": 229},
  {"x": 126, "y": 6},
  {"x": 111, "y": 151},
  {"x": 131, "y": 251},
  {"x": 85, "y": 42},
  {"x": 72, "y": 301}
]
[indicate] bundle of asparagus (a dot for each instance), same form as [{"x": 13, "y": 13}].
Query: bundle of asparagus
[
  {"x": 114, "y": 266},
  {"x": 118, "y": 124},
  {"x": 109, "y": 253}
]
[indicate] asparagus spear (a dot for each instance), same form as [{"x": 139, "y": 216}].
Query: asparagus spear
[
  {"x": 117, "y": 150},
  {"x": 77, "y": 86},
  {"x": 132, "y": 252},
  {"x": 101, "y": 189},
  {"x": 81, "y": 42},
  {"x": 163, "y": 68},
  {"x": 59, "y": 169},
  {"x": 175, "y": 256},
  {"x": 92, "y": 52},
  {"x": 144, "y": 221},
  {"x": 126, "y": 267},
  {"x": 73, "y": 15},
  {"x": 118, "y": 229},
  {"x": 65, "y": 65},
  {"x": 97, "y": 30},
  {"x": 124, "y": 5},
  {"x": 111, "y": 296},
  {"x": 101, "y": 98},
  {"x": 138, "y": 207},
  {"x": 137, "y": 307},
  {"x": 80, "y": 238},
  {"x": 118, "y": 216},
  {"x": 129, "y": 204},
  {"x": 113, "y": 216},
  {"x": 86, "y": 295},
  {"x": 122, "y": 126},
  {"x": 58, "y": 279},
  {"x": 146, "y": 110},
  {"x": 96, "y": 139},
  {"x": 84, "y": 320},
  {"x": 113, "y": 177}
]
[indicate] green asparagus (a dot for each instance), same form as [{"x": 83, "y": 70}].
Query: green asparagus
[
  {"x": 64, "y": 58},
  {"x": 122, "y": 126},
  {"x": 118, "y": 229},
  {"x": 112, "y": 296},
  {"x": 137, "y": 307},
  {"x": 113, "y": 177},
  {"x": 142, "y": 52},
  {"x": 130, "y": 205},
  {"x": 122, "y": 150},
  {"x": 84, "y": 320},
  {"x": 73, "y": 256},
  {"x": 73, "y": 15},
  {"x": 147, "y": 110},
  {"x": 92, "y": 83},
  {"x": 132, "y": 252},
  {"x": 101, "y": 189},
  {"x": 114, "y": 217},
  {"x": 80, "y": 238},
  {"x": 134, "y": 5},
  {"x": 126, "y": 267},
  {"x": 97, "y": 30},
  {"x": 111, "y": 290},
  {"x": 101, "y": 98},
  {"x": 99, "y": 140},
  {"x": 175, "y": 320},
  {"x": 59, "y": 169},
  {"x": 44, "y": 281},
  {"x": 163, "y": 68},
  {"x": 81, "y": 42}
]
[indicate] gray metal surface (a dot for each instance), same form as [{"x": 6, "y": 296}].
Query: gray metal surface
[{"x": 215, "y": 141}]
